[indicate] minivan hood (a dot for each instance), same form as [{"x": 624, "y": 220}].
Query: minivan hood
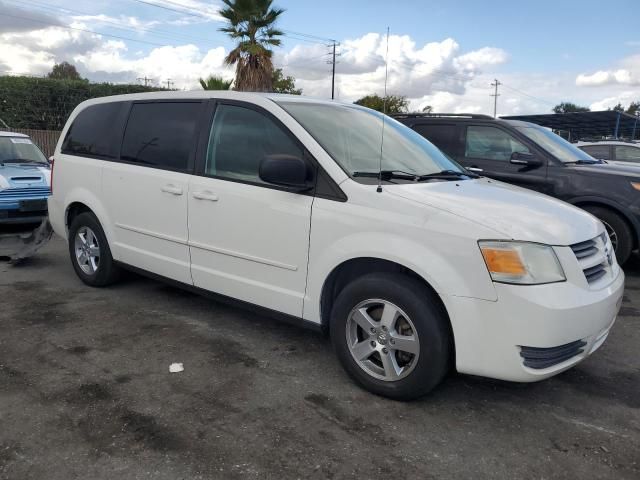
[{"x": 513, "y": 212}]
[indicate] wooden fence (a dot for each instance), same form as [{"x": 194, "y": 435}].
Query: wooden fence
[{"x": 45, "y": 139}]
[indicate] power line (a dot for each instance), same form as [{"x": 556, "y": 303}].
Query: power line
[
  {"x": 82, "y": 30},
  {"x": 527, "y": 95}
]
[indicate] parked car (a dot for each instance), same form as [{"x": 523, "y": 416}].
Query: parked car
[
  {"x": 534, "y": 157},
  {"x": 612, "y": 151},
  {"x": 273, "y": 201},
  {"x": 24, "y": 188}
]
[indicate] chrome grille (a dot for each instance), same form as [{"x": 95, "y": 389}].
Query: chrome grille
[{"x": 595, "y": 257}]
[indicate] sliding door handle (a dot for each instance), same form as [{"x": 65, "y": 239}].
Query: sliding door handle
[
  {"x": 206, "y": 195},
  {"x": 475, "y": 169}
]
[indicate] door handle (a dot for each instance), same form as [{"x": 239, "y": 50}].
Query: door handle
[
  {"x": 475, "y": 169},
  {"x": 172, "y": 189},
  {"x": 206, "y": 195}
]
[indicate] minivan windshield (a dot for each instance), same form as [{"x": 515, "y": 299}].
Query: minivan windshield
[
  {"x": 352, "y": 136},
  {"x": 19, "y": 150},
  {"x": 556, "y": 145}
]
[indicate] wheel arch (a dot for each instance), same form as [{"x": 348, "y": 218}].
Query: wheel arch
[
  {"x": 353, "y": 268},
  {"x": 634, "y": 225}
]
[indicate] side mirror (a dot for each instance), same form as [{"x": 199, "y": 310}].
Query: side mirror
[
  {"x": 525, "y": 159},
  {"x": 286, "y": 171}
]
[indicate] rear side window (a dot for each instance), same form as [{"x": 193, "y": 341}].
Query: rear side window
[
  {"x": 240, "y": 138},
  {"x": 442, "y": 136},
  {"x": 94, "y": 132},
  {"x": 597, "y": 151},
  {"x": 491, "y": 143},
  {"x": 161, "y": 134},
  {"x": 628, "y": 153}
]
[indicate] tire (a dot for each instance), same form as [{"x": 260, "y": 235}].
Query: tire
[
  {"x": 87, "y": 237},
  {"x": 418, "y": 313},
  {"x": 618, "y": 230}
]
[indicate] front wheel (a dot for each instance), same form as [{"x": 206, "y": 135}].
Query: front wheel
[
  {"x": 391, "y": 335},
  {"x": 90, "y": 253},
  {"x": 618, "y": 230}
]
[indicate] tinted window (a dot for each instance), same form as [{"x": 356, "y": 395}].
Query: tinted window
[
  {"x": 597, "y": 151},
  {"x": 491, "y": 143},
  {"x": 161, "y": 134},
  {"x": 628, "y": 153},
  {"x": 442, "y": 136},
  {"x": 240, "y": 138},
  {"x": 95, "y": 132}
]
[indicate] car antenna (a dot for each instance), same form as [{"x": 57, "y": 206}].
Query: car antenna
[{"x": 384, "y": 113}]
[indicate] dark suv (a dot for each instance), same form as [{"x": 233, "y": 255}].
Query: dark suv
[{"x": 533, "y": 157}]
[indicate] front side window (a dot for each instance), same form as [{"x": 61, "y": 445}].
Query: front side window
[
  {"x": 19, "y": 150},
  {"x": 600, "y": 152},
  {"x": 491, "y": 143},
  {"x": 352, "y": 136},
  {"x": 240, "y": 138},
  {"x": 631, "y": 154},
  {"x": 161, "y": 134},
  {"x": 93, "y": 132}
]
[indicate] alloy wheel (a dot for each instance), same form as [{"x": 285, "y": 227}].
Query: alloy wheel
[{"x": 87, "y": 249}]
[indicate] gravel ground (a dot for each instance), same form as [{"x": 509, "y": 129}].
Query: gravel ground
[{"x": 85, "y": 392}]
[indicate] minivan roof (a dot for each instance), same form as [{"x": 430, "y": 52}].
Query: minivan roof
[{"x": 205, "y": 94}]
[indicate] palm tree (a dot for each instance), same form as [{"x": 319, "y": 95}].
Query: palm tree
[
  {"x": 215, "y": 82},
  {"x": 251, "y": 23}
]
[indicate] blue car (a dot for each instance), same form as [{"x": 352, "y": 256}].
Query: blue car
[{"x": 25, "y": 179}]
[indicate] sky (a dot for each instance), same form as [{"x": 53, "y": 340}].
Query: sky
[{"x": 443, "y": 54}]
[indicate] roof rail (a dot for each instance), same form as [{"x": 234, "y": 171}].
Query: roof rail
[{"x": 440, "y": 115}]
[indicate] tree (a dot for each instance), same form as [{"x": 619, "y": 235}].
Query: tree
[
  {"x": 395, "y": 103},
  {"x": 215, "y": 82},
  {"x": 64, "y": 71},
  {"x": 633, "y": 108},
  {"x": 568, "y": 107},
  {"x": 618, "y": 108},
  {"x": 427, "y": 109},
  {"x": 251, "y": 24},
  {"x": 282, "y": 84}
]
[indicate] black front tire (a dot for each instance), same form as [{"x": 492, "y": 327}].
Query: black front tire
[
  {"x": 427, "y": 315},
  {"x": 107, "y": 272},
  {"x": 621, "y": 229}
]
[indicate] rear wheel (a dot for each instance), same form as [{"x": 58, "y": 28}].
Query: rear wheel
[
  {"x": 90, "y": 253},
  {"x": 391, "y": 335},
  {"x": 618, "y": 230}
]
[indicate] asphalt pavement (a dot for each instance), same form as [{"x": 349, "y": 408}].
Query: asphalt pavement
[{"x": 86, "y": 393}]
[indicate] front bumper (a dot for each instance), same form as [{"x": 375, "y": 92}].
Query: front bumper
[
  {"x": 489, "y": 336},
  {"x": 23, "y": 244}
]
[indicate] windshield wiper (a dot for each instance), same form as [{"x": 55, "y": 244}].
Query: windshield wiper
[
  {"x": 447, "y": 175},
  {"x": 21, "y": 161},
  {"x": 389, "y": 174},
  {"x": 585, "y": 162}
]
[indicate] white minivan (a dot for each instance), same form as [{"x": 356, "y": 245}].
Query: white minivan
[{"x": 335, "y": 216}]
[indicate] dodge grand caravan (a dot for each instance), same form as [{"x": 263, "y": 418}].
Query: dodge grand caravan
[
  {"x": 278, "y": 202},
  {"x": 530, "y": 156}
]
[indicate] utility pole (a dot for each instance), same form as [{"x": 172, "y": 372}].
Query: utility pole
[
  {"x": 495, "y": 96},
  {"x": 145, "y": 79},
  {"x": 333, "y": 68},
  {"x": 169, "y": 82}
]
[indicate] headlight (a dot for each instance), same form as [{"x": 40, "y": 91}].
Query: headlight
[{"x": 521, "y": 262}]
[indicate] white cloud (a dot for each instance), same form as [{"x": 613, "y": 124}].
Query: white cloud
[
  {"x": 122, "y": 20},
  {"x": 624, "y": 98},
  {"x": 628, "y": 74},
  {"x": 414, "y": 71}
]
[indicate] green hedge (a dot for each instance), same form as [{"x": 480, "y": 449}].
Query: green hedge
[{"x": 45, "y": 104}]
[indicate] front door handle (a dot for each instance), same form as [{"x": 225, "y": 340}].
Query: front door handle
[
  {"x": 206, "y": 195},
  {"x": 172, "y": 189},
  {"x": 475, "y": 169}
]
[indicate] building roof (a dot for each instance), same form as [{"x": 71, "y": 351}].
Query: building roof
[{"x": 584, "y": 125}]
